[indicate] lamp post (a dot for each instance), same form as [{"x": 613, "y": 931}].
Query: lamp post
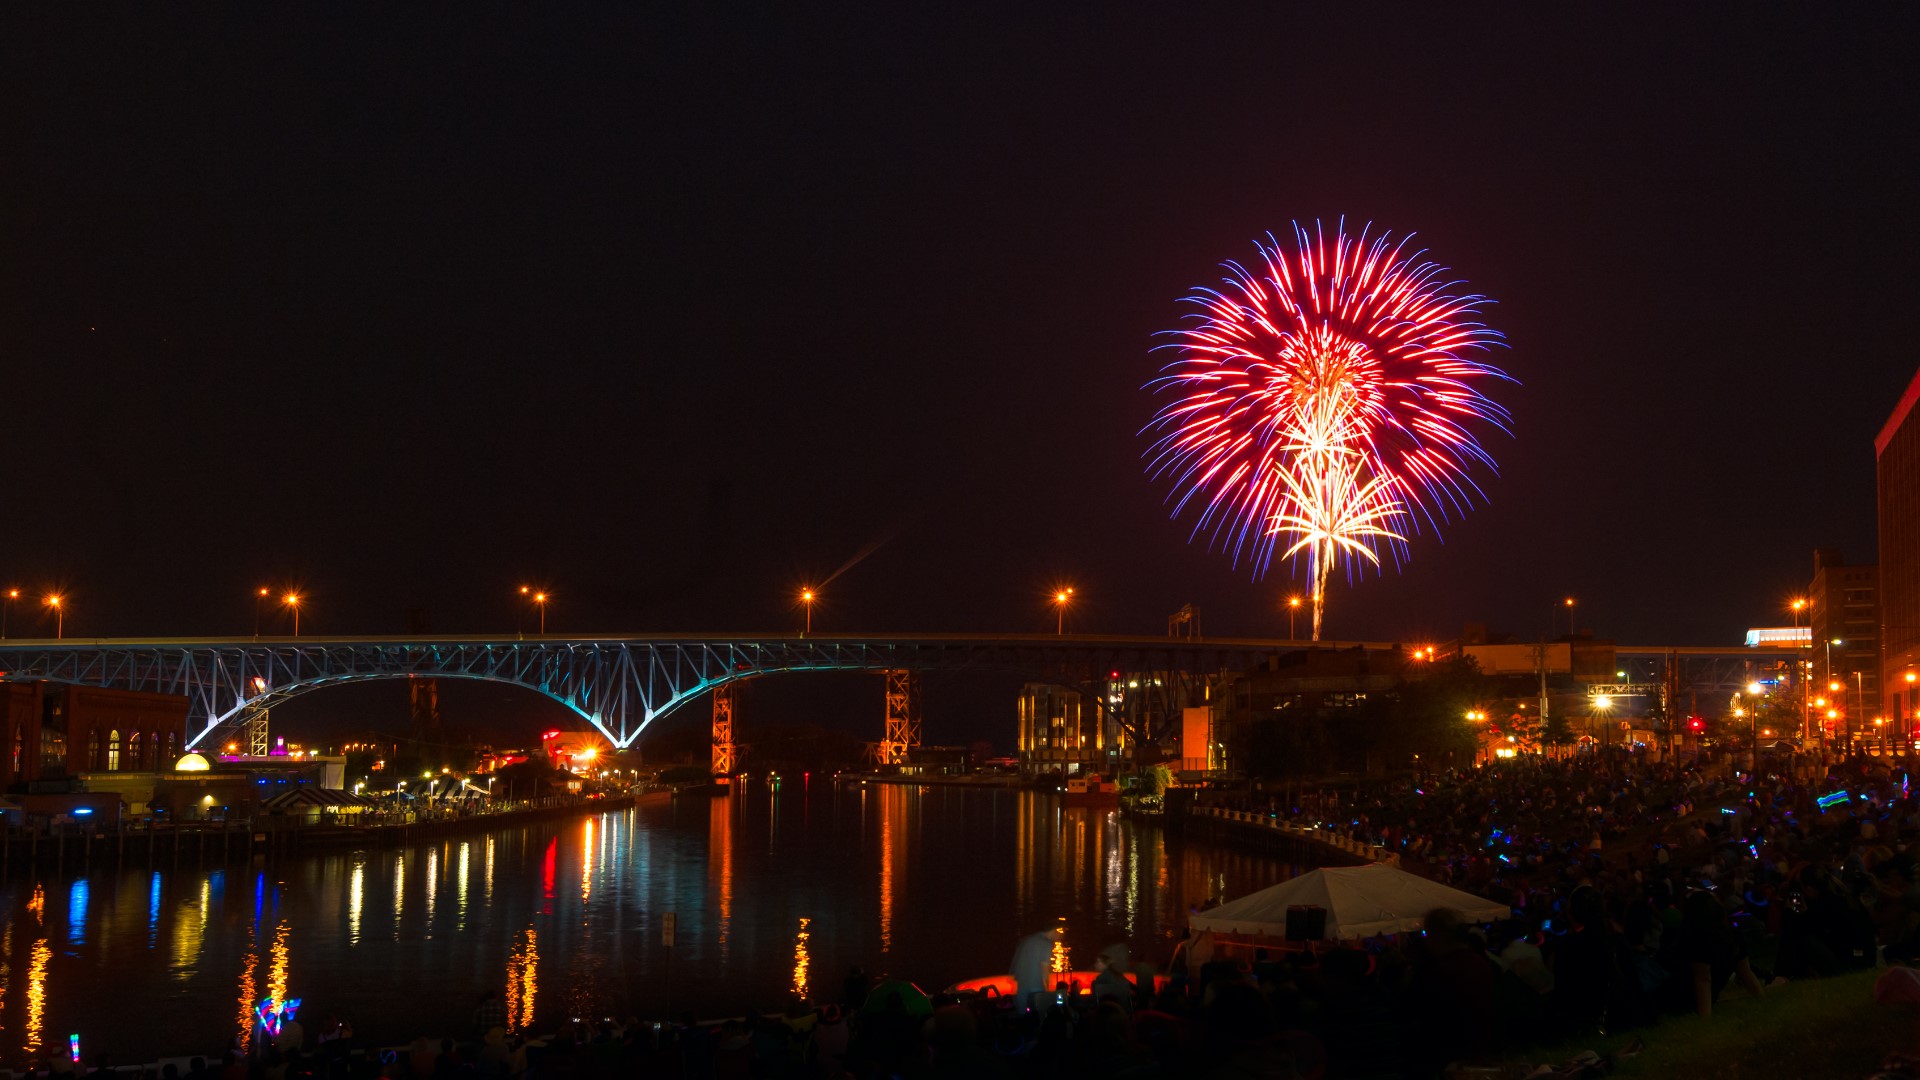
[
  {"x": 540, "y": 603},
  {"x": 806, "y": 601},
  {"x": 1293, "y": 608},
  {"x": 1799, "y": 605},
  {"x": 6, "y": 604},
  {"x": 56, "y": 602},
  {"x": 1060, "y": 599},
  {"x": 1906, "y": 718},
  {"x": 1569, "y": 603},
  {"x": 1860, "y": 695},
  {"x": 259, "y": 607},
  {"x": 292, "y": 600}
]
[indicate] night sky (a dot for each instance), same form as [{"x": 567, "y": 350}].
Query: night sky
[{"x": 674, "y": 310}]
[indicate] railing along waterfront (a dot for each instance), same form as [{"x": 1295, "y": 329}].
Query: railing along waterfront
[{"x": 1274, "y": 826}]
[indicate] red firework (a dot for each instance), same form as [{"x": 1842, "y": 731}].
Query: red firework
[{"x": 1325, "y": 401}]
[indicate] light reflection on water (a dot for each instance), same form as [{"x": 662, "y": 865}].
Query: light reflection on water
[{"x": 775, "y": 893}]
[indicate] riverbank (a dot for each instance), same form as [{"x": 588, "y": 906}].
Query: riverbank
[
  {"x": 1317, "y": 846},
  {"x": 295, "y": 837},
  {"x": 225, "y": 840},
  {"x": 975, "y": 780}
]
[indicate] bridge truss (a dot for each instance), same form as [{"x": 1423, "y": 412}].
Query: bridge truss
[{"x": 620, "y": 685}]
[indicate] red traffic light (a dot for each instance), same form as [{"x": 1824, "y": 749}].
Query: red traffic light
[{"x": 1694, "y": 723}]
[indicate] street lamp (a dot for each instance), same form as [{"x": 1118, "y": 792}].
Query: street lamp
[
  {"x": 1060, "y": 599},
  {"x": 540, "y": 602},
  {"x": 259, "y": 604},
  {"x": 806, "y": 601},
  {"x": 1569, "y": 603},
  {"x": 292, "y": 600},
  {"x": 1293, "y": 608},
  {"x": 1906, "y": 726},
  {"x": 55, "y": 601},
  {"x": 1799, "y": 605},
  {"x": 1757, "y": 693},
  {"x": 6, "y": 604}
]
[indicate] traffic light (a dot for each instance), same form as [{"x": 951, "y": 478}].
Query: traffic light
[{"x": 1694, "y": 723}]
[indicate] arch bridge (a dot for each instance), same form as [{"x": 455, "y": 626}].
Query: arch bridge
[{"x": 618, "y": 684}]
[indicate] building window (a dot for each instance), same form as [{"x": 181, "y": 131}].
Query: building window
[
  {"x": 113, "y": 750},
  {"x": 173, "y": 742},
  {"x": 93, "y": 749},
  {"x": 134, "y": 760}
]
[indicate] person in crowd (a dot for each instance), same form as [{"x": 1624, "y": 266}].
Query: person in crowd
[
  {"x": 1712, "y": 953},
  {"x": 1112, "y": 980},
  {"x": 1032, "y": 968}
]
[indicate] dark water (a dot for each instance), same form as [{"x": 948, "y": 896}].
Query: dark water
[{"x": 774, "y": 893}]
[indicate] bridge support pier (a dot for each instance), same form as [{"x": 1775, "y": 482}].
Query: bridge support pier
[
  {"x": 902, "y": 730},
  {"x": 723, "y": 749}
]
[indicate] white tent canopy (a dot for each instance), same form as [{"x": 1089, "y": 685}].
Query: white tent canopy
[{"x": 1360, "y": 901}]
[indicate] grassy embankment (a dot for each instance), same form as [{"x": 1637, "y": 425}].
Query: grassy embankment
[{"x": 1815, "y": 1027}]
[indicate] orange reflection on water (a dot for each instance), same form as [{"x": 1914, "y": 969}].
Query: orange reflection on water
[
  {"x": 523, "y": 962},
  {"x": 36, "y": 993},
  {"x": 802, "y": 960},
  {"x": 720, "y": 862},
  {"x": 277, "y": 963},
  {"x": 893, "y": 843},
  {"x": 461, "y": 892},
  {"x": 1062, "y": 961},
  {"x": 356, "y": 899},
  {"x": 6, "y": 969},
  {"x": 38, "y": 905},
  {"x": 248, "y": 995},
  {"x": 586, "y": 863}
]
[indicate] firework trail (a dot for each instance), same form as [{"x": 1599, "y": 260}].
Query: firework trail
[{"x": 1325, "y": 401}]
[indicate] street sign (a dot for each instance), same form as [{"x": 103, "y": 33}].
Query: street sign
[{"x": 666, "y": 929}]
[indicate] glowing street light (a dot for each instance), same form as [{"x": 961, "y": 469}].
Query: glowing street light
[
  {"x": 1799, "y": 605},
  {"x": 1755, "y": 689},
  {"x": 1569, "y": 604},
  {"x": 57, "y": 603},
  {"x": 1060, "y": 600},
  {"x": 292, "y": 600},
  {"x": 259, "y": 607},
  {"x": 6, "y": 604},
  {"x": 806, "y": 601},
  {"x": 1293, "y": 608},
  {"x": 540, "y": 602}
]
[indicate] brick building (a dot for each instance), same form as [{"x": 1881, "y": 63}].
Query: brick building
[
  {"x": 1843, "y": 606},
  {"x": 53, "y": 730},
  {"x": 1897, "y": 480}
]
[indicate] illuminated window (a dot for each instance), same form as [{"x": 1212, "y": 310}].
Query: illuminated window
[
  {"x": 113, "y": 750},
  {"x": 93, "y": 749},
  {"x": 134, "y": 760}
]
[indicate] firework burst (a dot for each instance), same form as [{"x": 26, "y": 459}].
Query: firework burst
[{"x": 1322, "y": 404}]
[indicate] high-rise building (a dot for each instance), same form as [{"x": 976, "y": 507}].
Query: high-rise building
[
  {"x": 1843, "y": 606},
  {"x": 1897, "y": 474}
]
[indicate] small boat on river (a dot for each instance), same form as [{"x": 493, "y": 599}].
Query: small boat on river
[{"x": 1091, "y": 791}]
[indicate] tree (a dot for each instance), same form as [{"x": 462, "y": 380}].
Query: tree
[
  {"x": 1428, "y": 716},
  {"x": 1288, "y": 747},
  {"x": 1524, "y": 726}
]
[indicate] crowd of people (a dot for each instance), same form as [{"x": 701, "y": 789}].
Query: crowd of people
[{"x": 1639, "y": 887}]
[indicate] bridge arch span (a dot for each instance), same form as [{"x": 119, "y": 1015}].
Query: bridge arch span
[{"x": 618, "y": 684}]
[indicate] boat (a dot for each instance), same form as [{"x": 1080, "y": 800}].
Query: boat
[
  {"x": 1091, "y": 791},
  {"x": 1004, "y": 985}
]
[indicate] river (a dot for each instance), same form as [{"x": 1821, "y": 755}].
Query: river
[{"x": 775, "y": 891}]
